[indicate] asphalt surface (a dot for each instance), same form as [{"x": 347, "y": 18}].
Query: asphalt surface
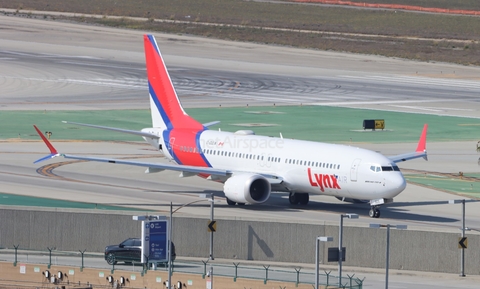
[{"x": 52, "y": 66}]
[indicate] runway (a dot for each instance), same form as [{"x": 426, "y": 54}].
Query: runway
[
  {"x": 93, "y": 67},
  {"x": 63, "y": 66}
]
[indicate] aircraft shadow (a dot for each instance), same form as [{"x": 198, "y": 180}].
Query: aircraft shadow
[
  {"x": 279, "y": 202},
  {"x": 391, "y": 211}
]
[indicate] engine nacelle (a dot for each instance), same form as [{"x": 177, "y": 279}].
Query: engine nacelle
[{"x": 247, "y": 188}]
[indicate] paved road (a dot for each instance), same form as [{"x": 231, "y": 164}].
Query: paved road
[
  {"x": 51, "y": 65},
  {"x": 100, "y": 68}
]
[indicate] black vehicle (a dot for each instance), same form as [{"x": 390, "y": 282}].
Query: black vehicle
[{"x": 129, "y": 251}]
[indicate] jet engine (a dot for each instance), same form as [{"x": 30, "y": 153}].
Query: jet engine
[{"x": 247, "y": 188}]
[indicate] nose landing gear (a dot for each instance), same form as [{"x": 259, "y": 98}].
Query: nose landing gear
[
  {"x": 375, "y": 204},
  {"x": 374, "y": 212}
]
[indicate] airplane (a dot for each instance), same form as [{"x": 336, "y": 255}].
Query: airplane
[{"x": 251, "y": 166}]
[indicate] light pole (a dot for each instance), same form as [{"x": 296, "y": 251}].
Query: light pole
[
  {"x": 340, "y": 241},
  {"x": 169, "y": 248},
  {"x": 387, "y": 258},
  {"x": 317, "y": 245},
  {"x": 169, "y": 260},
  {"x": 211, "y": 277},
  {"x": 211, "y": 233},
  {"x": 211, "y": 200},
  {"x": 462, "y": 254}
]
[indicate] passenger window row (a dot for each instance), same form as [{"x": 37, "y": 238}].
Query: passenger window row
[
  {"x": 261, "y": 158},
  {"x": 241, "y": 155},
  {"x": 313, "y": 164}
]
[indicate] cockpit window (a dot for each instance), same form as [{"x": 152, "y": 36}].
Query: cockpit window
[
  {"x": 375, "y": 168},
  {"x": 389, "y": 168}
]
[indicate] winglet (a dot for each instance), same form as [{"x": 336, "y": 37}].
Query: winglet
[
  {"x": 422, "y": 142},
  {"x": 53, "y": 151},
  {"x": 420, "y": 152}
]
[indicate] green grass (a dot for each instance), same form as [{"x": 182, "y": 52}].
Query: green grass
[
  {"x": 470, "y": 188},
  {"x": 18, "y": 200},
  {"x": 316, "y": 123}
]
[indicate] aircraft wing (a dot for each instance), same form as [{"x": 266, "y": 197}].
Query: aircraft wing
[
  {"x": 420, "y": 152},
  {"x": 157, "y": 167},
  {"x": 151, "y": 167}
]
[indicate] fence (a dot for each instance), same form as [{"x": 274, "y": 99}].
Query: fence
[{"x": 234, "y": 271}]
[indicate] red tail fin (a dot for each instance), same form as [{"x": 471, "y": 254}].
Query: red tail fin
[{"x": 165, "y": 106}]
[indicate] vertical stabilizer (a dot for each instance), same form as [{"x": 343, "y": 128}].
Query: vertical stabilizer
[{"x": 166, "y": 110}]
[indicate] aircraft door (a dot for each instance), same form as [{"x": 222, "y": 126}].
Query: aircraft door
[{"x": 354, "y": 170}]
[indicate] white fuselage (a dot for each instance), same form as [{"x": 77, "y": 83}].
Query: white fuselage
[{"x": 304, "y": 166}]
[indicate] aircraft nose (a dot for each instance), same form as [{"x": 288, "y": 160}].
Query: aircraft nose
[{"x": 397, "y": 184}]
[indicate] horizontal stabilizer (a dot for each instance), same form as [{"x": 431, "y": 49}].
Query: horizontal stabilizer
[
  {"x": 135, "y": 132},
  {"x": 210, "y": 123}
]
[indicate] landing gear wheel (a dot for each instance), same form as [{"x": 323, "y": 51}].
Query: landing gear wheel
[
  {"x": 374, "y": 213},
  {"x": 294, "y": 198},
  {"x": 111, "y": 259},
  {"x": 304, "y": 198},
  {"x": 230, "y": 202}
]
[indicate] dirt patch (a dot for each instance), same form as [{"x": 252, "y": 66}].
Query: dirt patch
[
  {"x": 411, "y": 35},
  {"x": 33, "y": 276}
]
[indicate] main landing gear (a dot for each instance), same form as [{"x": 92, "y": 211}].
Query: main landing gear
[
  {"x": 374, "y": 212},
  {"x": 299, "y": 198}
]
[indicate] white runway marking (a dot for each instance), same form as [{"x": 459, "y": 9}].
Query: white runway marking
[{"x": 420, "y": 80}]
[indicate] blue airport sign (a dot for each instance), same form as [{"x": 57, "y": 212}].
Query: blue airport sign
[
  {"x": 155, "y": 241},
  {"x": 158, "y": 246}
]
